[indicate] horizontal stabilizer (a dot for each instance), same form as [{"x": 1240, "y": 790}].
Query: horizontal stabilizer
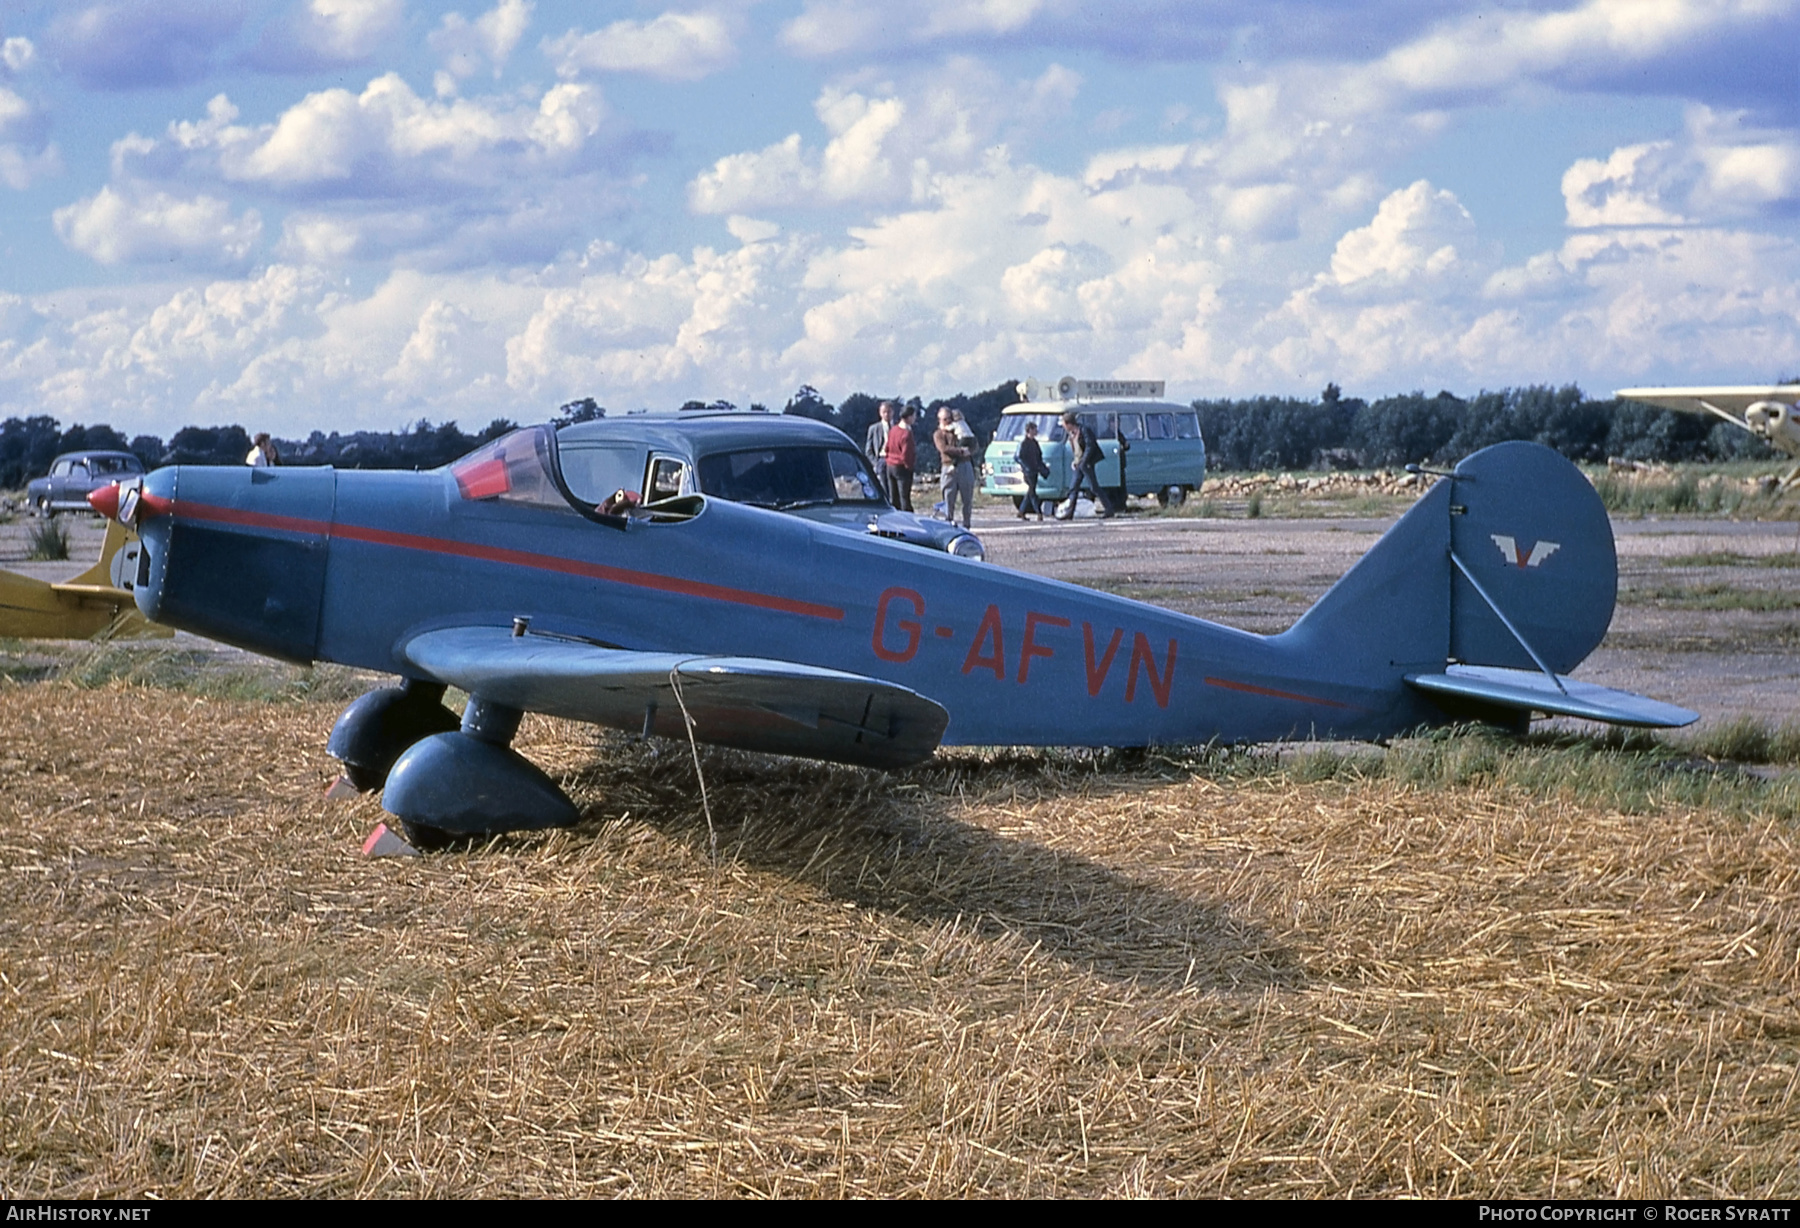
[
  {"x": 1525, "y": 690},
  {"x": 750, "y": 703}
]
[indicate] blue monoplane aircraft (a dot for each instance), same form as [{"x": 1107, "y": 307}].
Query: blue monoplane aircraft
[{"x": 778, "y": 634}]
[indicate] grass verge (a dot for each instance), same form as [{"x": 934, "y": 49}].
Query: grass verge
[{"x": 1456, "y": 972}]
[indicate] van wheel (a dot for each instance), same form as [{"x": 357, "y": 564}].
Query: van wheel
[
  {"x": 1018, "y": 502},
  {"x": 1117, "y": 499},
  {"x": 1171, "y": 496}
]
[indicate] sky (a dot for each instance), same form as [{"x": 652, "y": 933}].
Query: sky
[{"x": 353, "y": 214}]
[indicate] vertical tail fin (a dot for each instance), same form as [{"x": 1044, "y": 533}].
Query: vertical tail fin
[
  {"x": 1531, "y": 546},
  {"x": 1507, "y": 562}
]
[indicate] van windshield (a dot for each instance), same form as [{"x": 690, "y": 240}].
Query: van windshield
[{"x": 1012, "y": 427}]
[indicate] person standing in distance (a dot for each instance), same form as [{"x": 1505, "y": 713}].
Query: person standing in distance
[
  {"x": 1085, "y": 447},
  {"x": 958, "y": 476},
  {"x": 901, "y": 454},
  {"x": 875, "y": 442},
  {"x": 1031, "y": 468},
  {"x": 263, "y": 452}
]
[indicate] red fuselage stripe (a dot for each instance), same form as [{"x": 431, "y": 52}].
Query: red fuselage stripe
[
  {"x": 1249, "y": 689},
  {"x": 497, "y": 554}
]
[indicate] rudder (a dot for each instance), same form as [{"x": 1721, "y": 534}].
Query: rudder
[
  {"x": 1531, "y": 545},
  {"x": 1515, "y": 521}
]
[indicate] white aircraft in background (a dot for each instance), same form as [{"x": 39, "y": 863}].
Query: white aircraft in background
[{"x": 1767, "y": 411}]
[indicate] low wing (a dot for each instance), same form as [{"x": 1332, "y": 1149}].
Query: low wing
[
  {"x": 1724, "y": 401},
  {"x": 1524, "y": 690},
  {"x": 746, "y": 702}
]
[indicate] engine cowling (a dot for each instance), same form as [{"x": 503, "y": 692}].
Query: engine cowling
[{"x": 1775, "y": 422}]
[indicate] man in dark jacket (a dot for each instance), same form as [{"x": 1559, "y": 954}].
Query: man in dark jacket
[
  {"x": 875, "y": 442},
  {"x": 1031, "y": 468},
  {"x": 1085, "y": 446}
]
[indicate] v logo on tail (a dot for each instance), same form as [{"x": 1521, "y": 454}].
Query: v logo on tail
[{"x": 1519, "y": 558}]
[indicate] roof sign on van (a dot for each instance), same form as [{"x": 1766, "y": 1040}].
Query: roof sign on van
[{"x": 1068, "y": 388}]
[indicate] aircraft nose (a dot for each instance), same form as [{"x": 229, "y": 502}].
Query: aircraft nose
[{"x": 105, "y": 500}]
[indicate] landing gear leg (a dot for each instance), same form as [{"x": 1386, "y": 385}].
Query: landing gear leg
[{"x": 455, "y": 786}]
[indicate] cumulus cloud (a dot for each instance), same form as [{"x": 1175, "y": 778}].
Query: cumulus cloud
[
  {"x": 1414, "y": 237},
  {"x": 17, "y": 54},
  {"x": 884, "y": 145},
  {"x": 673, "y": 46},
  {"x": 26, "y": 153},
  {"x": 124, "y": 46},
  {"x": 383, "y": 174},
  {"x": 831, "y": 27},
  {"x": 1720, "y": 169},
  {"x": 1599, "y": 44},
  {"x": 1266, "y": 254},
  {"x": 1628, "y": 187},
  {"x": 467, "y": 47},
  {"x": 637, "y": 323},
  {"x": 1302, "y": 137},
  {"x": 319, "y": 34},
  {"x": 124, "y": 227},
  {"x": 507, "y": 228},
  {"x": 1149, "y": 30},
  {"x": 386, "y": 141},
  {"x": 1006, "y": 270}
]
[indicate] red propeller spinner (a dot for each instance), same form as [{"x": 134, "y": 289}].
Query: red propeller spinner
[{"x": 105, "y": 500}]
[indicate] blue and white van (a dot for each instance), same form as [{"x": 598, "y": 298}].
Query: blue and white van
[{"x": 1165, "y": 455}]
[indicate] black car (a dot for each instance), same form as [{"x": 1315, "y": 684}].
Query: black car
[
  {"x": 73, "y": 474},
  {"x": 790, "y": 464}
]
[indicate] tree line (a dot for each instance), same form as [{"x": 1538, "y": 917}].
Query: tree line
[
  {"x": 28, "y": 445},
  {"x": 1252, "y": 433},
  {"x": 1346, "y": 432}
]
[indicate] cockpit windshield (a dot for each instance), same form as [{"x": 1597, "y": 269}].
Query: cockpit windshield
[
  {"x": 514, "y": 468},
  {"x": 792, "y": 477}
]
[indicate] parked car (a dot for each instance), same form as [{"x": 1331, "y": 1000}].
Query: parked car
[
  {"x": 73, "y": 474},
  {"x": 1165, "y": 456},
  {"x": 790, "y": 464}
]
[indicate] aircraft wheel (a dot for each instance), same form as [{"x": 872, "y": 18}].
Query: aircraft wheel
[{"x": 430, "y": 839}]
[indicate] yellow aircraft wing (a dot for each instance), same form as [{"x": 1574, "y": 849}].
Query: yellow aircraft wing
[{"x": 92, "y": 605}]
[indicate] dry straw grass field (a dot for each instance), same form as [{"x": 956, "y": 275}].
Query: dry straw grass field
[{"x": 1469, "y": 967}]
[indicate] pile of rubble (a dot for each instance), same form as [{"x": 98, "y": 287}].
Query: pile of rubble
[
  {"x": 1377, "y": 482},
  {"x": 1654, "y": 473}
]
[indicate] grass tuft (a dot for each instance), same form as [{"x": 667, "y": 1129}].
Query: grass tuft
[
  {"x": 1714, "y": 596},
  {"x": 1729, "y": 558},
  {"x": 47, "y": 540},
  {"x": 1747, "y": 739}
]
